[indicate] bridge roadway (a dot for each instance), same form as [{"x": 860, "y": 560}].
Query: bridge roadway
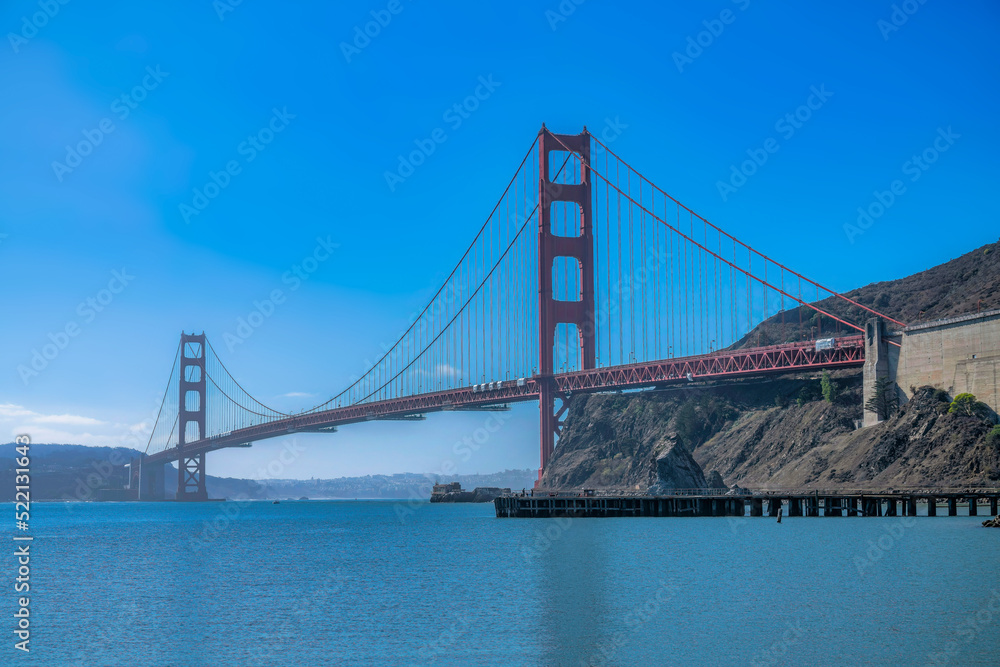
[{"x": 847, "y": 351}]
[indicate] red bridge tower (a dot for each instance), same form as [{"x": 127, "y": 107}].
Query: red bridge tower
[
  {"x": 575, "y": 189},
  {"x": 191, "y": 469}
]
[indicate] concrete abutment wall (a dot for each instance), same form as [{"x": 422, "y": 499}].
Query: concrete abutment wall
[{"x": 959, "y": 355}]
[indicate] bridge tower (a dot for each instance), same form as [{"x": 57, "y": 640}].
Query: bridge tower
[
  {"x": 146, "y": 480},
  {"x": 579, "y": 246},
  {"x": 191, "y": 409}
]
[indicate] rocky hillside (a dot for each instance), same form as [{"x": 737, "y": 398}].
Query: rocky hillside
[
  {"x": 615, "y": 440},
  {"x": 781, "y": 434},
  {"x": 815, "y": 446},
  {"x": 963, "y": 285}
]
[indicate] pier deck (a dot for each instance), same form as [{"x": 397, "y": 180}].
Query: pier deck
[{"x": 871, "y": 503}]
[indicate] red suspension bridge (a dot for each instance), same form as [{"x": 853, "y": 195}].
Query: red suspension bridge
[{"x": 584, "y": 277}]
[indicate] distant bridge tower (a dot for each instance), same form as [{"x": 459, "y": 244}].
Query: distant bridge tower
[
  {"x": 580, "y": 246},
  {"x": 191, "y": 410}
]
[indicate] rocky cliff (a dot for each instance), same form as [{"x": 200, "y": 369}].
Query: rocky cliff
[{"x": 779, "y": 434}]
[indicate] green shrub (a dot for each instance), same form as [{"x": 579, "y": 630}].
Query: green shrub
[
  {"x": 993, "y": 437},
  {"x": 968, "y": 406},
  {"x": 828, "y": 387}
]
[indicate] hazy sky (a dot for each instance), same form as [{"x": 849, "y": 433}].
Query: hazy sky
[{"x": 119, "y": 120}]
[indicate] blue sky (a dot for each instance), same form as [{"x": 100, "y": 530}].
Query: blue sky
[{"x": 199, "y": 80}]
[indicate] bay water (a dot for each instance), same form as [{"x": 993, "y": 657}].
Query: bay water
[{"x": 411, "y": 583}]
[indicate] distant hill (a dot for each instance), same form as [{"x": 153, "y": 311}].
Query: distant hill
[
  {"x": 77, "y": 472},
  {"x": 66, "y": 472},
  {"x": 402, "y": 485},
  {"x": 963, "y": 285}
]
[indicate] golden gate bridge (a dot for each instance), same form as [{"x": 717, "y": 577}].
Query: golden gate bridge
[{"x": 584, "y": 277}]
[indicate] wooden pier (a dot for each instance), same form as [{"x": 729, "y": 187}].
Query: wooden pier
[{"x": 792, "y": 504}]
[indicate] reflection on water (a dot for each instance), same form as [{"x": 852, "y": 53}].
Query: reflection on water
[{"x": 310, "y": 583}]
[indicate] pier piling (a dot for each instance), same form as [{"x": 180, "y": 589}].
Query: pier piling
[
  {"x": 692, "y": 504},
  {"x": 794, "y": 507},
  {"x": 773, "y": 506},
  {"x": 812, "y": 506}
]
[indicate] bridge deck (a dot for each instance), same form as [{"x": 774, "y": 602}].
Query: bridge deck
[{"x": 848, "y": 351}]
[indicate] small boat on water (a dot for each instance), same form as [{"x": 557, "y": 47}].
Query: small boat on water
[{"x": 275, "y": 502}]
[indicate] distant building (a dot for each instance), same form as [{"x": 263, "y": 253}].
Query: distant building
[{"x": 453, "y": 493}]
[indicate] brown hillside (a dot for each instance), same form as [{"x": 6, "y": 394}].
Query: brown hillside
[{"x": 963, "y": 285}]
